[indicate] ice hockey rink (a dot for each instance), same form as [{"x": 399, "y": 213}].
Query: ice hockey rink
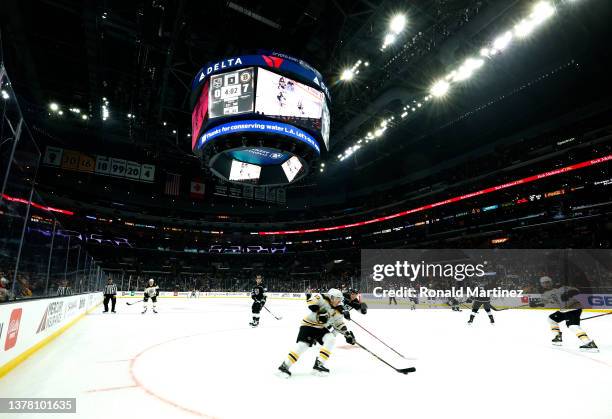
[{"x": 200, "y": 358}]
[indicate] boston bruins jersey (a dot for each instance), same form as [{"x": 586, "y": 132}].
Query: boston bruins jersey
[
  {"x": 152, "y": 291},
  {"x": 319, "y": 304},
  {"x": 562, "y": 298}
]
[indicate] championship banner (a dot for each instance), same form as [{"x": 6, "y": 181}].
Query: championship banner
[{"x": 98, "y": 165}]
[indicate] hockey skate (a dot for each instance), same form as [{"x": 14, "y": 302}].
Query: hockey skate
[
  {"x": 154, "y": 311},
  {"x": 283, "y": 371},
  {"x": 320, "y": 369},
  {"x": 254, "y": 323},
  {"x": 589, "y": 347},
  {"x": 558, "y": 340},
  {"x": 470, "y": 322},
  {"x": 145, "y": 310}
]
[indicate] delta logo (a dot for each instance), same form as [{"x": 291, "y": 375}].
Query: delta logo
[
  {"x": 274, "y": 62},
  {"x": 53, "y": 315},
  {"x": 13, "y": 329}
]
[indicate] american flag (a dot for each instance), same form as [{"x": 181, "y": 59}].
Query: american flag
[{"x": 173, "y": 182}]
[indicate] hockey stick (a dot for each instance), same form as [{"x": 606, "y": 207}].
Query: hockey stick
[
  {"x": 371, "y": 334},
  {"x": 400, "y": 370},
  {"x": 132, "y": 303},
  {"x": 495, "y": 308},
  {"x": 277, "y": 318},
  {"x": 599, "y": 315},
  {"x": 508, "y": 308}
]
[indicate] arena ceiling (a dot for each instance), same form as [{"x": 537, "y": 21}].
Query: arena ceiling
[{"x": 138, "y": 59}]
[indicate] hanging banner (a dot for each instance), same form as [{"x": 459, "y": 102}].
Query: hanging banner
[{"x": 99, "y": 165}]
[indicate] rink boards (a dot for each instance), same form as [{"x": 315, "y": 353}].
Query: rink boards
[
  {"x": 26, "y": 326},
  {"x": 592, "y": 302}
]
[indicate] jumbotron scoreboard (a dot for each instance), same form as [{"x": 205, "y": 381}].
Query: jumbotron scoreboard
[{"x": 260, "y": 119}]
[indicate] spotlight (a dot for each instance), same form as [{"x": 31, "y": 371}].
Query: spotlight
[
  {"x": 524, "y": 28},
  {"x": 502, "y": 41},
  {"x": 467, "y": 69},
  {"x": 397, "y": 24},
  {"x": 53, "y": 106},
  {"x": 84, "y": 117},
  {"x": 542, "y": 11},
  {"x": 389, "y": 39},
  {"x": 5, "y": 94},
  {"x": 440, "y": 88},
  {"x": 347, "y": 75},
  {"x": 60, "y": 112}
]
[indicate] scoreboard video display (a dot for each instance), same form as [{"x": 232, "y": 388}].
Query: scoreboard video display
[
  {"x": 231, "y": 93},
  {"x": 259, "y": 119},
  {"x": 283, "y": 98}
]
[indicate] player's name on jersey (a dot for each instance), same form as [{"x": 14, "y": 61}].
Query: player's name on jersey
[{"x": 454, "y": 292}]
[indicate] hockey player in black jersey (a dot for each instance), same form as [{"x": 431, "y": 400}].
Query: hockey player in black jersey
[
  {"x": 352, "y": 300},
  {"x": 481, "y": 302},
  {"x": 258, "y": 294},
  {"x": 454, "y": 304}
]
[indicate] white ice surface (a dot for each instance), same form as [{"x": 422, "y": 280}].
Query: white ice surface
[{"x": 199, "y": 358}]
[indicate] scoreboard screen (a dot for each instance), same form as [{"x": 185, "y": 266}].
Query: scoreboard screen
[
  {"x": 199, "y": 115},
  {"x": 282, "y": 98},
  {"x": 244, "y": 171},
  {"x": 291, "y": 168},
  {"x": 231, "y": 93}
]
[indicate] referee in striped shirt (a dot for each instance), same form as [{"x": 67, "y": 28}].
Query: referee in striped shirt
[{"x": 110, "y": 293}]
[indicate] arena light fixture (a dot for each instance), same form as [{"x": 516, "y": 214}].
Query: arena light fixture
[
  {"x": 502, "y": 42},
  {"x": 5, "y": 94},
  {"x": 347, "y": 75},
  {"x": 54, "y": 106},
  {"x": 524, "y": 28},
  {"x": 440, "y": 88},
  {"x": 542, "y": 11},
  {"x": 389, "y": 39},
  {"x": 397, "y": 24}
]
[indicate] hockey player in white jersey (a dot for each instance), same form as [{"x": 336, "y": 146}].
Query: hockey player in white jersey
[
  {"x": 321, "y": 325},
  {"x": 569, "y": 310},
  {"x": 151, "y": 292}
]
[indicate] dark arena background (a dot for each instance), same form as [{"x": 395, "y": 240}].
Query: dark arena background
[{"x": 261, "y": 209}]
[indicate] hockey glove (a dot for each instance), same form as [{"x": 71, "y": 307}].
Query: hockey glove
[
  {"x": 323, "y": 317},
  {"x": 364, "y": 308},
  {"x": 346, "y": 314},
  {"x": 572, "y": 292},
  {"x": 350, "y": 337}
]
